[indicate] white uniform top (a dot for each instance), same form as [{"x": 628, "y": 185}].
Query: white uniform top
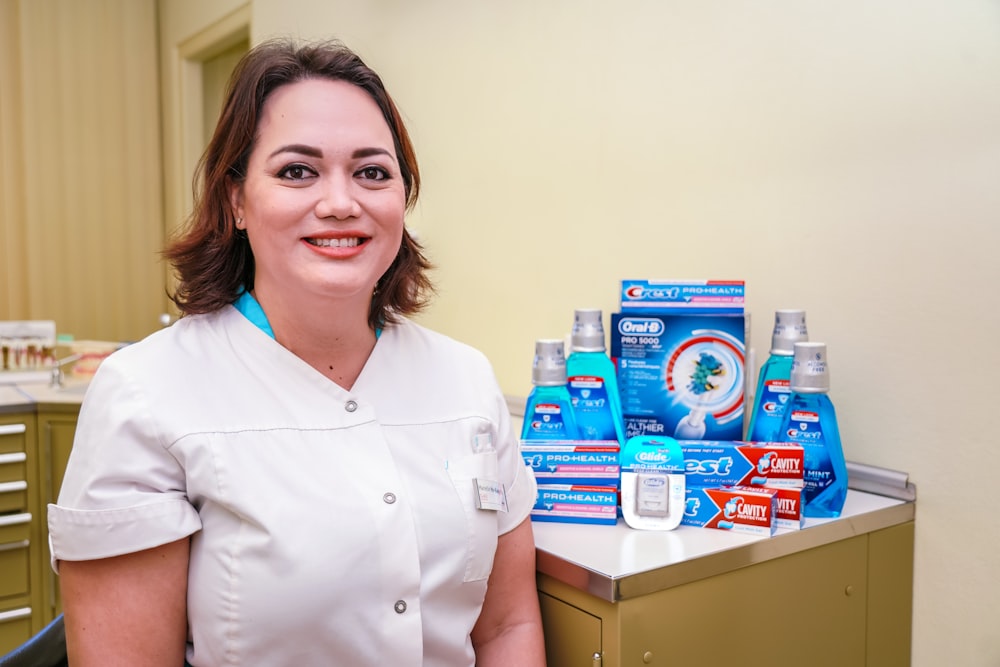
[{"x": 330, "y": 527}]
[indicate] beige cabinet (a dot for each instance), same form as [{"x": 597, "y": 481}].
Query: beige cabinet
[
  {"x": 34, "y": 448},
  {"x": 845, "y": 603}
]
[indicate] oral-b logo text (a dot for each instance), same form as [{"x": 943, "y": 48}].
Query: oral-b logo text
[
  {"x": 721, "y": 466},
  {"x": 640, "y": 326},
  {"x": 652, "y": 293}
]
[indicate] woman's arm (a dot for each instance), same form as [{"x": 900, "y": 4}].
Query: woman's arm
[
  {"x": 509, "y": 629},
  {"x": 127, "y": 610}
]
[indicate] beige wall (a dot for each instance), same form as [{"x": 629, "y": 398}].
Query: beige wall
[
  {"x": 81, "y": 220},
  {"x": 839, "y": 157}
]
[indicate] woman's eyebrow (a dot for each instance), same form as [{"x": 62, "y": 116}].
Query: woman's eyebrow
[
  {"x": 302, "y": 149},
  {"x": 312, "y": 151}
]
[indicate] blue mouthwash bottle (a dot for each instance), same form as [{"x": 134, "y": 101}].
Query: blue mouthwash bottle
[
  {"x": 548, "y": 414},
  {"x": 593, "y": 381},
  {"x": 773, "y": 384},
  {"x": 811, "y": 421}
]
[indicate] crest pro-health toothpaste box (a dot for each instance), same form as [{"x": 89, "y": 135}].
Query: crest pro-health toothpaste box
[
  {"x": 576, "y": 503},
  {"x": 591, "y": 462},
  {"x": 688, "y": 296}
]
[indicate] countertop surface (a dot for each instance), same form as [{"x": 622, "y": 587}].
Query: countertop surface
[
  {"x": 618, "y": 562},
  {"x": 23, "y": 395}
]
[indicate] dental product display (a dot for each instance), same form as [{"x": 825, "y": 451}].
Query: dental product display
[{"x": 658, "y": 424}]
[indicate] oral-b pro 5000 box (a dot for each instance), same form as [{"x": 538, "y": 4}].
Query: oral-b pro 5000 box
[
  {"x": 593, "y": 462},
  {"x": 725, "y": 463},
  {"x": 681, "y": 375}
]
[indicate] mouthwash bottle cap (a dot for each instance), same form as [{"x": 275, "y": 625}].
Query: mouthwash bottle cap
[
  {"x": 810, "y": 372},
  {"x": 549, "y": 367},
  {"x": 789, "y": 328},
  {"x": 588, "y": 331}
]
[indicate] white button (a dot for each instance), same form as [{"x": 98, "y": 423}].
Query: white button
[
  {"x": 400, "y": 606},
  {"x": 350, "y": 406},
  {"x": 389, "y": 498}
]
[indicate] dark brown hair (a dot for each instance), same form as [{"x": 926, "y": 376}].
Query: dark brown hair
[{"x": 211, "y": 258}]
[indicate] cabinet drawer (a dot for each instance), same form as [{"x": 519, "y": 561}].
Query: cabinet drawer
[
  {"x": 13, "y": 496},
  {"x": 15, "y": 628},
  {"x": 14, "y": 528},
  {"x": 14, "y": 569},
  {"x": 13, "y": 467},
  {"x": 13, "y": 438}
]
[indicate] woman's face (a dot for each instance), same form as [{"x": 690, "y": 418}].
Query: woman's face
[{"x": 323, "y": 199}]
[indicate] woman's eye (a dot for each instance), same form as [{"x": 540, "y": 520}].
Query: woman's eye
[
  {"x": 296, "y": 172},
  {"x": 374, "y": 173}
]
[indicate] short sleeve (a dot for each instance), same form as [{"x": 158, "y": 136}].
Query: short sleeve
[
  {"x": 123, "y": 491},
  {"x": 522, "y": 489}
]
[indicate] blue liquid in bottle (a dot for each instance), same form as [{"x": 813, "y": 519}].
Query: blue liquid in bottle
[
  {"x": 811, "y": 421},
  {"x": 593, "y": 381},
  {"x": 548, "y": 414},
  {"x": 773, "y": 390}
]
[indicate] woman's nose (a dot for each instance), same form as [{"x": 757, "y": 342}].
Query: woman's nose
[{"x": 337, "y": 198}]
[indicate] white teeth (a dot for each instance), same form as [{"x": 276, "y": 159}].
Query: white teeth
[{"x": 335, "y": 243}]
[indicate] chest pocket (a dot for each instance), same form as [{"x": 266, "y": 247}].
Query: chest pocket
[{"x": 481, "y": 534}]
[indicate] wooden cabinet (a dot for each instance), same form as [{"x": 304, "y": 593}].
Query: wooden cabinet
[
  {"x": 21, "y": 535},
  {"x": 34, "y": 449},
  {"x": 56, "y": 428},
  {"x": 846, "y": 603}
]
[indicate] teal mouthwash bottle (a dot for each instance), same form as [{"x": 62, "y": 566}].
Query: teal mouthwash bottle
[
  {"x": 593, "y": 381},
  {"x": 773, "y": 384},
  {"x": 548, "y": 414},
  {"x": 811, "y": 421}
]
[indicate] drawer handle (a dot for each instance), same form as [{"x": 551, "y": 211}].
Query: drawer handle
[
  {"x": 12, "y": 429},
  {"x": 14, "y": 614},
  {"x": 16, "y": 457},
  {"x": 13, "y": 546},
  {"x": 14, "y": 519},
  {"x": 11, "y": 487}
]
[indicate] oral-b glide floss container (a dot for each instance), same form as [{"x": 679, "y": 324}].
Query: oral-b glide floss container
[{"x": 652, "y": 483}]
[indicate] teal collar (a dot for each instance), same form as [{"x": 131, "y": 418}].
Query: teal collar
[{"x": 246, "y": 304}]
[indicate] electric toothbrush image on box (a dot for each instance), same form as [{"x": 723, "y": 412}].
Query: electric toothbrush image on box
[{"x": 705, "y": 374}]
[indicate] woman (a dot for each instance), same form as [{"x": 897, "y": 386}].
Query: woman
[{"x": 294, "y": 473}]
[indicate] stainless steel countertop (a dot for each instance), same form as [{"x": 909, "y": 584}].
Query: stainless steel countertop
[{"x": 618, "y": 562}]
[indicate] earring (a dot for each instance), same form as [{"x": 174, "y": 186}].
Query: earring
[{"x": 239, "y": 221}]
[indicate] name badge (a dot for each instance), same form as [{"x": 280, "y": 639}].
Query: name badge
[{"x": 490, "y": 495}]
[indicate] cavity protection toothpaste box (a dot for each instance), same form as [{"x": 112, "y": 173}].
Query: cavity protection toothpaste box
[
  {"x": 730, "y": 463},
  {"x": 592, "y": 462},
  {"x": 680, "y": 375},
  {"x": 688, "y": 296},
  {"x": 576, "y": 503},
  {"x": 740, "y": 509},
  {"x": 789, "y": 508}
]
